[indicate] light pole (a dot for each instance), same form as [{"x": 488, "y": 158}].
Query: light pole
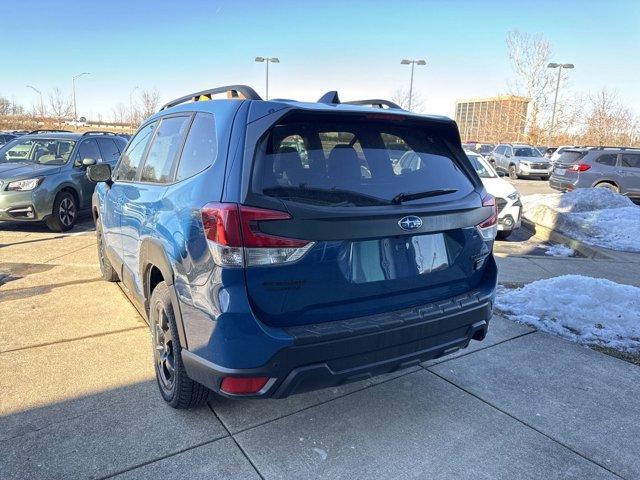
[
  {"x": 73, "y": 89},
  {"x": 268, "y": 60},
  {"x": 413, "y": 63},
  {"x": 41, "y": 102},
  {"x": 131, "y": 106},
  {"x": 559, "y": 66}
]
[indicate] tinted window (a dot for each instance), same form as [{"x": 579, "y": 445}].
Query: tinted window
[
  {"x": 501, "y": 149},
  {"x": 89, "y": 149},
  {"x": 164, "y": 149},
  {"x": 526, "y": 152},
  {"x": 109, "y": 150},
  {"x": 608, "y": 159},
  {"x": 572, "y": 156},
  {"x": 130, "y": 162},
  {"x": 200, "y": 148},
  {"x": 354, "y": 163},
  {"x": 631, "y": 160}
]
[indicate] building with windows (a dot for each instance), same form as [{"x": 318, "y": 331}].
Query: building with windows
[{"x": 492, "y": 119}]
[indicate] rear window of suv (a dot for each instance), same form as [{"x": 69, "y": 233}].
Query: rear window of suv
[
  {"x": 354, "y": 163},
  {"x": 571, "y": 156}
]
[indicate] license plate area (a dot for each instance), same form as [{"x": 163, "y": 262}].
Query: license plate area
[
  {"x": 560, "y": 171},
  {"x": 397, "y": 257}
]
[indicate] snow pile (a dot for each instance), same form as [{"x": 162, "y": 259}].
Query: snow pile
[
  {"x": 591, "y": 311},
  {"x": 596, "y": 216},
  {"x": 559, "y": 251}
]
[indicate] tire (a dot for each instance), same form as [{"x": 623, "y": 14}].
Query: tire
[
  {"x": 545, "y": 178},
  {"x": 610, "y": 186},
  {"x": 504, "y": 234},
  {"x": 106, "y": 269},
  {"x": 64, "y": 214},
  {"x": 176, "y": 388},
  {"x": 513, "y": 174}
]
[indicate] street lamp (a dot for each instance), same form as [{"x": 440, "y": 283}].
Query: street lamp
[
  {"x": 131, "y": 106},
  {"x": 559, "y": 66},
  {"x": 73, "y": 89},
  {"x": 41, "y": 102},
  {"x": 268, "y": 60},
  {"x": 413, "y": 63}
]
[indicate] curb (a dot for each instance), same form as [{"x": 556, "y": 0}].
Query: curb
[{"x": 546, "y": 233}]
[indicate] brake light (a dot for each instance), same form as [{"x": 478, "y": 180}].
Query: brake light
[
  {"x": 235, "y": 238},
  {"x": 579, "y": 167},
  {"x": 243, "y": 385},
  {"x": 489, "y": 228}
]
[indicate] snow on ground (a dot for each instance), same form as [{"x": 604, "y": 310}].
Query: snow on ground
[
  {"x": 559, "y": 251},
  {"x": 590, "y": 311},
  {"x": 596, "y": 216}
]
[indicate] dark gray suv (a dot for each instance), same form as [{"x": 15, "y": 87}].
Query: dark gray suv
[{"x": 615, "y": 168}]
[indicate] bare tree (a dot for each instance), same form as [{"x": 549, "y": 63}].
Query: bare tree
[
  {"x": 10, "y": 107},
  {"x": 61, "y": 107},
  {"x": 149, "y": 102},
  {"x": 401, "y": 97},
  {"x": 120, "y": 113},
  {"x": 608, "y": 122},
  {"x": 530, "y": 55}
]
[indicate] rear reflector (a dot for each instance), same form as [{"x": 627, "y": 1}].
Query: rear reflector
[
  {"x": 243, "y": 385},
  {"x": 235, "y": 238},
  {"x": 489, "y": 228}
]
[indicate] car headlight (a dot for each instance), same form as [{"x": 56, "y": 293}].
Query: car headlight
[
  {"x": 514, "y": 196},
  {"x": 24, "y": 185}
]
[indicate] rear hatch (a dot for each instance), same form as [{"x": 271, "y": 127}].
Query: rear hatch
[
  {"x": 385, "y": 213},
  {"x": 562, "y": 167}
]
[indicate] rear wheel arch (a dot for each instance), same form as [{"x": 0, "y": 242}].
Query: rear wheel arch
[{"x": 606, "y": 183}]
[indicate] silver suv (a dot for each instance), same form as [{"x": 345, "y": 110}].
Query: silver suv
[
  {"x": 615, "y": 168},
  {"x": 520, "y": 161}
]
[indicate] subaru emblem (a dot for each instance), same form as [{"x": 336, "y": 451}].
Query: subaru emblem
[{"x": 410, "y": 222}]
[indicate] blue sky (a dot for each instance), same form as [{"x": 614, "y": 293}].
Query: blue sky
[{"x": 354, "y": 47}]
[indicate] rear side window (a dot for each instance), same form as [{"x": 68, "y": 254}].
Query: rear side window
[
  {"x": 608, "y": 159},
  {"x": 127, "y": 169},
  {"x": 89, "y": 149},
  {"x": 354, "y": 163},
  {"x": 631, "y": 160},
  {"x": 200, "y": 148},
  {"x": 164, "y": 149},
  {"x": 110, "y": 152}
]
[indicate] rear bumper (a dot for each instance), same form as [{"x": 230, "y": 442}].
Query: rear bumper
[
  {"x": 561, "y": 184},
  {"x": 334, "y": 353}
]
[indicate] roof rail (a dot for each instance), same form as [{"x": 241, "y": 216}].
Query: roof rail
[
  {"x": 44, "y": 130},
  {"x": 98, "y": 132},
  {"x": 380, "y": 103},
  {"x": 602, "y": 147},
  {"x": 330, "y": 98},
  {"x": 233, "y": 91}
]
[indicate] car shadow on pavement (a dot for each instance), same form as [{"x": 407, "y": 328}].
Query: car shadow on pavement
[{"x": 27, "y": 292}]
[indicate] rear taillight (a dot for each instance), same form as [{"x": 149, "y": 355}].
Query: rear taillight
[
  {"x": 489, "y": 228},
  {"x": 579, "y": 167},
  {"x": 236, "y": 240},
  {"x": 243, "y": 385}
]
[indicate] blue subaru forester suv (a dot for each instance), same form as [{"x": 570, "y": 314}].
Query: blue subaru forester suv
[{"x": 277, "y": 247}]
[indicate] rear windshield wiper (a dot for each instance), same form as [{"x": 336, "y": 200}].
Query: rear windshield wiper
[
  {"x": 405, "y": 197},
  {"x": 333, "y": 195}
]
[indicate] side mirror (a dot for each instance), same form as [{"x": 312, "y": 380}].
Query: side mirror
[
  {"x": 100, "y": 172},
  {"x": 87, "y": 162}
]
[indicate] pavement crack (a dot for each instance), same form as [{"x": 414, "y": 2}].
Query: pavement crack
[{"x": 555, "y": 440}]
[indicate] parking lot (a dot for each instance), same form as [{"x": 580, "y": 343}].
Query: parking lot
[{"x": 79, "y": 398}]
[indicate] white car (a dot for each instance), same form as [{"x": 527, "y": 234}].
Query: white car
[
  {"x": 558, "y": 152},
  {"x": 507, "y": 197}
]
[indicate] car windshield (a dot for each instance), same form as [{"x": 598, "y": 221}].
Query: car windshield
[
  {"x": 481, "y": 166},
  {"x": 526, "y": 152},
  {"x": 354, "y": 163},
  {"x": 42, "y": 151}
]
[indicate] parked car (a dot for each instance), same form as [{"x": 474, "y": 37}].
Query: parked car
[
  {"x": 6, "y": 138},
  {"x": 520, "y": 161},
  {"x": 262, "y": 275},
  {"x": 507, "y": 197},
  {"x": 484, "y": 148},
  {"x": 558, "y": 152},
  {"x": 546, "y": 152},
  {"x": 615, "y": 168},
  {"x": 42, "y": 176}
]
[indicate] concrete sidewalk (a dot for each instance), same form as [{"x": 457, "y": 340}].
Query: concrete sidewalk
[{"x": 78, "y": 397}]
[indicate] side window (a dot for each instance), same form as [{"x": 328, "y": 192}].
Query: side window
[
  {"x": 89, "y": 149},
  {"x": 508, "y": 151},
  {"x": 500, "y": 149},
  {"x": 200, "y": 148},
  {"x": 109, "y": 150},
  {"x": 631, "y": 160},
  {"x": 164, "y": 149},
  {"x": 127, "y": 169},
  {"x": 608, "y": 159}
]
